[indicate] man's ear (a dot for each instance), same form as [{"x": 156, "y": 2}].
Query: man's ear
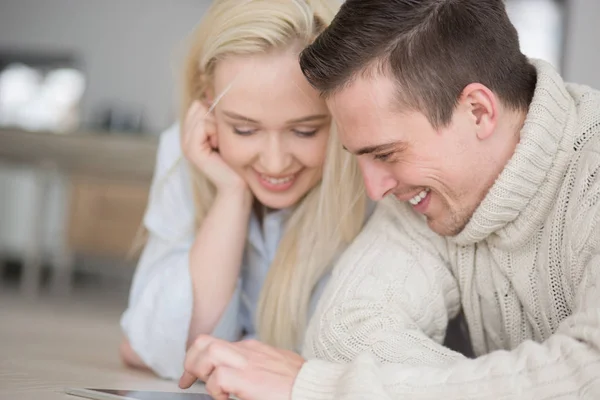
[{"x": 482, "y": 104}]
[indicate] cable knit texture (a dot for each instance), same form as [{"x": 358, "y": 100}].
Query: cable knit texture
[{"x": 525, "y": 272}]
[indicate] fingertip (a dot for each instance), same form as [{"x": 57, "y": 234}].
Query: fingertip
[
  {"x": 186, "y": 381},
  {"x": 184, "y": 385}
]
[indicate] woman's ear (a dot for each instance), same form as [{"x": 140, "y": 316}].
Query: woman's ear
[
  {"x": 208, "y": 99},
  {"x": 214, "y": 140},
  {"x": 211, "y": 123}
]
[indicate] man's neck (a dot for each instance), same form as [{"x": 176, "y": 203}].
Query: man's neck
[
  {"x": 510, "y": 135},
  {"x": 503, "y": 147}
]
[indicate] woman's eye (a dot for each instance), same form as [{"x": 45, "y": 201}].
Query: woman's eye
[
  {"x": 305, "y": 133},
  {"x": 383, "y": 157},
  {"x": 243, "y": 131}
]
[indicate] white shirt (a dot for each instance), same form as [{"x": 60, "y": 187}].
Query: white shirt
[{"x": 157, "y": 319}]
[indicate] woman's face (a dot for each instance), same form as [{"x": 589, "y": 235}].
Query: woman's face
[{"x": 272, "y": 126}]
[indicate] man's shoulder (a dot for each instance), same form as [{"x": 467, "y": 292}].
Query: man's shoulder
[
  {"x": 399, "y": 213},
  {"x": 587, "y": 119},
  {"x": 586, "y": 136},
  {"x": 402, "y": 223},
  {"x": 583, "y": 94},
  {"x": 579, "y": 198}
]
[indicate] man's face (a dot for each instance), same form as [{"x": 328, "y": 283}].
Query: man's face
[{"x": 442, "y": 173}]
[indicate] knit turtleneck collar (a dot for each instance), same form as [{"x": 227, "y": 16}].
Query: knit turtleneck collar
[{"x": 520, "y": 199}]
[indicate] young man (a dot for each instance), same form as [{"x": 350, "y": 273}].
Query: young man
[{"x": 489, "y": 165}]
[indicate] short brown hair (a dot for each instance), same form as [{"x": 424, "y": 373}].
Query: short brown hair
[{"x": 432, "y": 48}]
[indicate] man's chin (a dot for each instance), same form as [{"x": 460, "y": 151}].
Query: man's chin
[{"x": 444, "y": 228}]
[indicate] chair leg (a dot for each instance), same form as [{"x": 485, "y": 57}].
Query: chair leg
[{"x": 32, "y": 263}]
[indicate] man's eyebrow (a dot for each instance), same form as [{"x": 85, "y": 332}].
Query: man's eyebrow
[{"x": 379, "y": 148}]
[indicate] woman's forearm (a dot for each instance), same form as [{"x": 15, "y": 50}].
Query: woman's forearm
[{"x": 216, "y": 257}]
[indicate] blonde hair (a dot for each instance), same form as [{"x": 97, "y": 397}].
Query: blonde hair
[{"x": 332, "y": 213}]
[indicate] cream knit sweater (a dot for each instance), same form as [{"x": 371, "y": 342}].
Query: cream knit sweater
[{"x": 525, "y": 271}]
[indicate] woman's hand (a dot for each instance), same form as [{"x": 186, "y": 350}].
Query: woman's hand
[
  {"x": 200, "y": 147},
  {"x": 249, "y": 370}
]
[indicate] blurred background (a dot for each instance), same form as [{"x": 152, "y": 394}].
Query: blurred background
[
  {"x": 85, "y": 89},
  {"x": 87, "y": 86}
]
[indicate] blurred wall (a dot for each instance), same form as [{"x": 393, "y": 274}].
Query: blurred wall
[
  {"x": 582, "y": 47},
  {"x": 130, "y": 49}
]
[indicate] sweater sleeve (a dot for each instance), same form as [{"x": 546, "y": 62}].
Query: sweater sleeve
[
  {"x": 380, "y": 299},
  {"x": 565, "y": 366}
]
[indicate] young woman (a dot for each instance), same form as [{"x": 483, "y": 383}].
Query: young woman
[{"x": 247, "y": 211}]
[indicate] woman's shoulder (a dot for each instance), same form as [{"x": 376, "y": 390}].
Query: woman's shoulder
[
  {"x": 169, "y": 148},
  {"x": 171, "y": 204}
]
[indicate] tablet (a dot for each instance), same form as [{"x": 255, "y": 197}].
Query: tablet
[{"x": 111, "y": 394}]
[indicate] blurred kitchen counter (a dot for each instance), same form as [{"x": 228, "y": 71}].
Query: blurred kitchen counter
[
  {"x": 104, "y": 182},
  {"x": 111, "y": 155}
]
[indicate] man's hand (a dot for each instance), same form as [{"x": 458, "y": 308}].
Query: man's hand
[{"x": 248, "y": 370}]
